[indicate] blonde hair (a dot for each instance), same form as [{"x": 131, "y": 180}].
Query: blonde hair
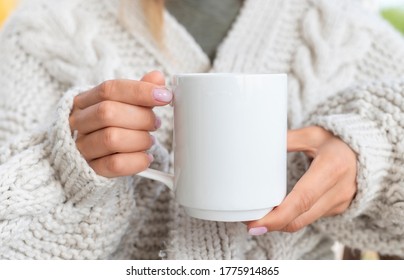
[{"x": 154, "y": 13}]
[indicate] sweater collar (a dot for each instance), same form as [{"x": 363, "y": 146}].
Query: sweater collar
[
  {"x": 258, "y": 24},
  {"x": 180, "y": 52}
]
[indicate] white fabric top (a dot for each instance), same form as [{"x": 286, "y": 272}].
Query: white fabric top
[{"x": 345, "y": 70}]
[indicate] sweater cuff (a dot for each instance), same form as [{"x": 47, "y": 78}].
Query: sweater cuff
[
  {"x": 373, "y": 152},
  {"x": 81, "y": 184}
]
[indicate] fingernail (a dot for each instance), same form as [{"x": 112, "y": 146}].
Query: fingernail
[
  {"x": 257, "y": 231},
  {"x": 151, "y": 157},
  {"x": 157, "y": 123},
  {"x": 162, "y": 95},
  {"x": 153, "y": 139}
]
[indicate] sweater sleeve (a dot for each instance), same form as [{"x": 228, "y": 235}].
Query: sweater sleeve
[
  {"x": 370, "y": 118},
  {"x": 42, "y": 167},
  {"x": 52, "y": 204}
]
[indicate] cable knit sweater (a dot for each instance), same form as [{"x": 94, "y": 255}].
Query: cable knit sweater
[{"x": 345, "y": 73}]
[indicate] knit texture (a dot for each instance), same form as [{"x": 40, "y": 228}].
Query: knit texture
[{"x": 345, "y": 73}]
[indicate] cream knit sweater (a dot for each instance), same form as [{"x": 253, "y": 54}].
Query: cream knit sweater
[{"x": 346, "y": 73}]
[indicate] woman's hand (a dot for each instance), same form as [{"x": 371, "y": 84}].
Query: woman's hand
[
  {"x": 113, "y": 121},
  {"x": 326, "y": 189}
]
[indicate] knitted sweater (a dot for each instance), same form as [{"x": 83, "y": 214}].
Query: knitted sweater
[{"x": 345, "y": 73}]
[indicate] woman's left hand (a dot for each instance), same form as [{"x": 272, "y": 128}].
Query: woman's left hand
[{"x": 326, "y": 189}]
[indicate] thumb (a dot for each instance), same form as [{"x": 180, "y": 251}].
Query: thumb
[{"x": 154, "y": 77}]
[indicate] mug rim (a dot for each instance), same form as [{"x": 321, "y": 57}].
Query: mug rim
[{"x": 227, "y": 74}]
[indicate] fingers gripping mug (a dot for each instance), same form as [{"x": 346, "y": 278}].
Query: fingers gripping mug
[{"x": 229, "y": 145}]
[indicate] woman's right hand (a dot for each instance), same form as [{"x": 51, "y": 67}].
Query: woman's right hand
[{"x": 114, "y": 120}]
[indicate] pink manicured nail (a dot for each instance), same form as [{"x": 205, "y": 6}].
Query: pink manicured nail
[
  {"x": 162, "y": 94},
  {"x": 157, "y": 123},
  {"x": 151, "y": 157},
  {"x": 258, "y": 231},
  {"x": 153, "y": 139}
]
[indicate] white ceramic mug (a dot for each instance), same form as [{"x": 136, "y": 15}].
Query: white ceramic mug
[{"x": 229, "y": 145}]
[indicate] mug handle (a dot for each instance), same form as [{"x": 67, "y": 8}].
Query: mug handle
[{"x": 165, "y": 178}]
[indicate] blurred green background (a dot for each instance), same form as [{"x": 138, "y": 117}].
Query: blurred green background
[{"x": 395, "y": 16}]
